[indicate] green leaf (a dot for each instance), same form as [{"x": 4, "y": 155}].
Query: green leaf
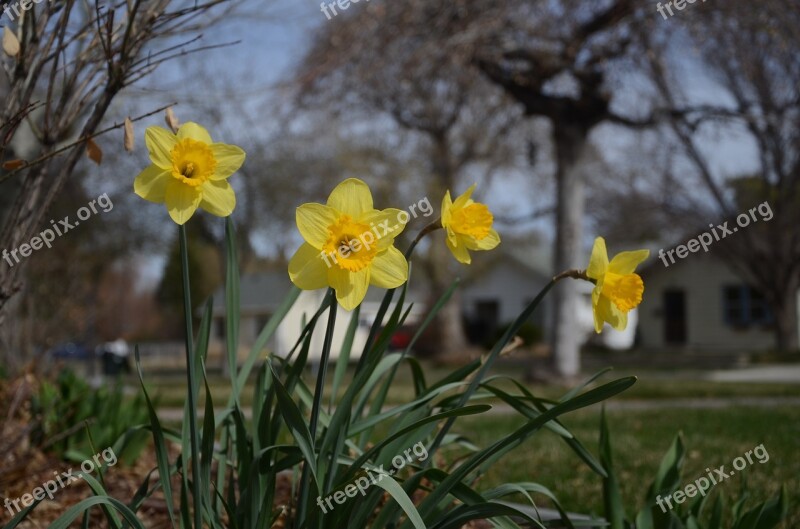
[
  {"x": 98, "y": 489},
  {"x": 502, "y": 446},
  {"x": 716, "y": 513},
  {"x": 459, "y": 412},
  {"x": 525, "y": 488},
  {"x": 344, "y": 355},
  {"x": 232, "y": 304},
  {"x": 612, "y": 499},
  {"x": 580, "y": 387},
  {"x": 297, "y": 426},
  {"x": 462, "y": 514},
  {"x": 21, "y": 515},
  {"x": 668, "y": 477},
  {"x": 64, "y": 521},
  {"x": 316, "y": 406},
  {"x": 192, "y": 380},
  {"x": 207, "y": 442},
  {"x": 162, "y": 454},
  {"x": 387, "y": 483},
  {"x": 766, "y": 515}
]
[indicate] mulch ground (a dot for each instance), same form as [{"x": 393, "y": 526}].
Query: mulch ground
[{"x": 24, "y": 468}]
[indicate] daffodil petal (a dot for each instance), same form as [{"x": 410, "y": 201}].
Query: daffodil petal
[
  {"x": 619, "y": 319},
  {"x": 218, "y": 198},
  {"x": 195, "y": 132},
  {"x": 389, "y": 269},
  {"x": 182, "y": 201},
  {"x": 626, "y": 262},
  {"x": 160, "y": 143},
  {"x": 307, "y": 269},
  {"x": 314, "y": 221},
  {"x": 151, "y": 184},
  {"x": 464, "y": 199},
  {"x": 385, "y": 225},
  {"x": 229, "y": 159},
  {"x": 487, "y": 243},
  {"x": 351, "y": 287},
  {"x": 598, "y": 262},
  {"x": 598, "y": 317},
  {"x": 606, "y": 311},
  {"x": 459, "y": 250},
  {"x": 351, "y": 197},
  {"x": 447, "y": 207},
  {"x": 452, "y": 236}
]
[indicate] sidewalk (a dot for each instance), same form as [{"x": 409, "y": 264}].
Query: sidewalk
[
  {"x": 772, "y": 373},
  {"x": 176, "y": 414}
]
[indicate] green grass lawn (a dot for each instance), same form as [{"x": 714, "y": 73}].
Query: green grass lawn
[
  {"x": 651, "y": 386},
  {"x": 712, "y": 437},
  {"x": 639, "y": 441}
]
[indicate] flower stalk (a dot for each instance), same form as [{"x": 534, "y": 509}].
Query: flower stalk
[{"x": 190, "y": 378}]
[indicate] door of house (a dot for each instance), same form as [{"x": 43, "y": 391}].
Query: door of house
[
  {"x": 485, "y": 321},
  {"x": 674, "y": 317}
]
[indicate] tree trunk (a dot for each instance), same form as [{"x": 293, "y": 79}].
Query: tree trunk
[
  {"x": 450, "y": 338},
  {"x": 570, "y": 204},
  {"x": 786, "y": 339}
]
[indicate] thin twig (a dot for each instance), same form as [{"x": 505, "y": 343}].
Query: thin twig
[{"x": 80, "y": 141}]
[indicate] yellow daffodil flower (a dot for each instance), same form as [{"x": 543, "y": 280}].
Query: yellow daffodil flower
[
  {"x": 469, "y": 226},
  {"x": 617, "y": 290},
  {"x": 349, "y": 245},
  {"x": 189, "y": 171}
]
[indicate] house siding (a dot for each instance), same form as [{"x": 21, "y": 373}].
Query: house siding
[
  {"x": 511, "y": 285},
  {"x": 702, "y": 278}
]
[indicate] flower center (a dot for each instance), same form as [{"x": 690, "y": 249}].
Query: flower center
[
  {"x": 351, "y": 243},
  {"x": 474, "y": 220},
  {"x": 624, "y": 290},
  {"x": 192, "y": 162}
]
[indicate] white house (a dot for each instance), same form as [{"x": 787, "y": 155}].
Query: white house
[
  {"x": 262, "y": 294},
  {"x": 491, "y": 296},
  {"x": 700, "y": 303}
]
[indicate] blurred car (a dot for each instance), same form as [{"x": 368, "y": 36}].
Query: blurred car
[
  {"x": 401, "y": 338},
  {"x": 70, "y": 350}
]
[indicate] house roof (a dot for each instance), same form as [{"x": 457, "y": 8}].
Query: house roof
[
  {"x": 257, "y": 291},
  {"x": 266, "y": 290}
]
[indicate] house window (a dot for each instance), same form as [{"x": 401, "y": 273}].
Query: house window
[{"x": 743, "y": 306}]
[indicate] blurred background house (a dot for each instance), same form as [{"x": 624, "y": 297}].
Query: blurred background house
[{"x": 701, "y": 304}]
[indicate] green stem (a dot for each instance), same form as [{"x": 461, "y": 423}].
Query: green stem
[
  {"x": 190, "y": 375},
  {"x": 315, "y": 408},
  {"x": 323, "y": 365},
  {"x": 433, "y": 226},
  {"x": 387, "y": 298}
]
